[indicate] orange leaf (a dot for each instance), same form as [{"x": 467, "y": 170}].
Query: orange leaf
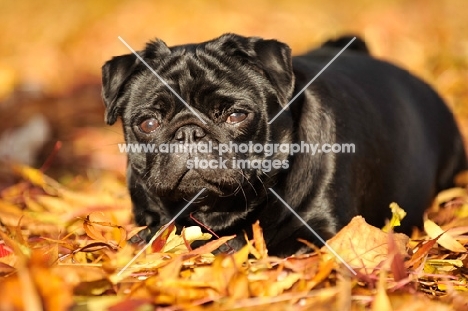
[
  {"x": 324, "y": 271},
  {"x": 92, "y": 231},
  {"x": 171, "y": 270},
  {"x": 159, "y": 243},
  {"x": 134, "y": 231},
  {"x": 211, "y": 246},
  {"x": 260, "y": 244},
  {"x": 56, "y": 294},
  {"x": 421, "y": 252},
  {"x": 95, "y": 230},
  {"x": 238, "y": 287}
]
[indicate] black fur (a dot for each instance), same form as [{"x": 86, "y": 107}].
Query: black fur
[{"x": 408, "y": 146}]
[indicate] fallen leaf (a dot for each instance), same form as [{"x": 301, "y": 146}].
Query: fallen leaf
[
  {"x": 177, "y": 244},
  {"x": 324, "y": 270},
  {"x": 397, "y": 215},
  {"x": 38, "y": 178},
  {"x": 212, "y": 245},
  {"x": 381, "y": 301},
  {"x": 259, "y": 241},
  {"x": 363, "y": 246},
  {"x": 397, "y": 259},
  {"x": 160, "y": 241},
  {"x": 450, "y": 194},
  {"x": 238, "y": 286},
  {"x": 420, "y": 253},
  {"x": 444, "y": 239}
]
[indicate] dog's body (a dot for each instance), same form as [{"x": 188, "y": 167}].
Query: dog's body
[{"x": 407, "y": 145}]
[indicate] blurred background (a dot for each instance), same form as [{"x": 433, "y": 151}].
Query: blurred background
[{"x": 51, "y": 53}]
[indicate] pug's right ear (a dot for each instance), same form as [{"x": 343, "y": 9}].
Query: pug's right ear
[{"x": 115, "y": 73}]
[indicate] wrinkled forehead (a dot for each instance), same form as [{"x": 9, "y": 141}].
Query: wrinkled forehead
[{"x": 197, "y": 76}]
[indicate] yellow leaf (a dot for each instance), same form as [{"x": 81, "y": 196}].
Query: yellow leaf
[
  {"x": 36, "y": 177},
  {"x": 325, "y": 268},
  {"x": 445, "y": 240},
  {"x": 429, "y": 268},
  {"x": 450, "y": 194},
  {"x": 8, "y": 80},
  {"x": 176, "y": 244},
  {"x": 397, "y": 215},
  {"x": 445, "y": 287},
  {"x": 381, "y": 301},
  {"x": 282, "y": 284},
  {"x": 446, "y": 262},
  {"x": 12, "y": 215},
  {"x": 99, "y": 303},
  {"x": 171, "y": 270},
  {"x": 54, "y": 205},
  {"x": 238, "y": 287},
  {"x": 241, "y": 256}
]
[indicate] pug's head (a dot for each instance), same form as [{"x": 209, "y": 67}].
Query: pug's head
[{"x": 220, "y": 92}]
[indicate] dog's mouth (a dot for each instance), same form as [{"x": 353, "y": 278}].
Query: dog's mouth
[
  {"x": 175, "y": 180},
  {"x": 193, "y": 180}
]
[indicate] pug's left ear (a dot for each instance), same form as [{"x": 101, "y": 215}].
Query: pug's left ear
[
  {"x": 275, "y": 58},
  {"x": 114, "y": 74}
]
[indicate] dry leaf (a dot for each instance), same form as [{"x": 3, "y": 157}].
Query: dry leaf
[
  {"x": 259, "y": 242},
  {"x": 211, "y": 246},
  {"x": 177, "y": 244},
  {"x": 397, "y": 215},
  {"x": 160, "y": 241},
  {"x": 364, "y": 246},
  {"x": 445, "y": 239},
  {"x": 238, "y": 287},
  {"x": 381, "y": 301},
  {"x": 420, "y": 253},
  {"x": 450, "y": 194},
  {"x": 54, "y": 226}
]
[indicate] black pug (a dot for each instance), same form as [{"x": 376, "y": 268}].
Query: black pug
[{"x": 407, "y": 144}]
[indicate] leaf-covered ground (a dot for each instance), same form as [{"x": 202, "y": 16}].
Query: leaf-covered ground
[
  {"x": 65, "y": 245},
  {"x": 63, "y": 239}
]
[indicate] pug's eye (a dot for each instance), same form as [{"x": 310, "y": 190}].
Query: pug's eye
[
  {"x": 149, "y": 125},
  {"x": 236, "y": 117}
]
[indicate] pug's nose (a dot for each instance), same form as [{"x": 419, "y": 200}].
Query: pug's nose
[{"x": 189, "y": 134}]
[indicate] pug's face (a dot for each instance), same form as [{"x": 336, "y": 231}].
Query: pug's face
[{"x": 221, "y": 92}]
